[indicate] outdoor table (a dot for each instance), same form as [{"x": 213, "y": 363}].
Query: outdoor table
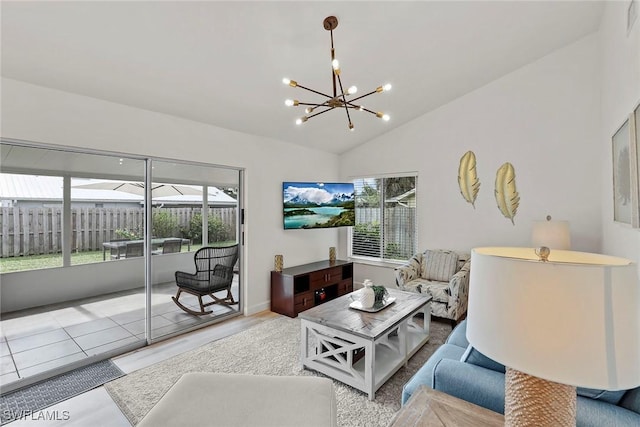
[{"x": 121, "y": 245}]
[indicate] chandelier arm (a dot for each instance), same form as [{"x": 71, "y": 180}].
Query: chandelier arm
[
  {"x": 344, "y": 101},
  {"x": 361, "y": 108},
  {"x": 313, "y": 104},
  {"x": 314, "y": 91},
  {"x": 320, "y": 112},
  {"x": 369, "y": 111},
  {"x": 362, "y": 96}
]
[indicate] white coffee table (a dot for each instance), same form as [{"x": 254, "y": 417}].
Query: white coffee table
[{"x": 364, "y": 349}]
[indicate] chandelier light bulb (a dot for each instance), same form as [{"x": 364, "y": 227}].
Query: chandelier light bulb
[
  {"x": 288, "y": 102},
  {"x": 387, "y": 87},
  {"x": 301, "y": 120},
  {"x": 335, "y": 64},
  {"x": 290, "y": 82},
  {"x": 352, "y": 90},
  {"x": 308, "y": 110},
  {"x": 351, "y": 126},
  {"x": 361, "y": 108},
  {"x": 382, "y": 116}
]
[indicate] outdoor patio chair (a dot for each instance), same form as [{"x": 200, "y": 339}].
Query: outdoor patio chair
[
  {"x": 214, "y": 273},
  {"x": 133, "y": 249},
  {"x": 169, "y": 246}
]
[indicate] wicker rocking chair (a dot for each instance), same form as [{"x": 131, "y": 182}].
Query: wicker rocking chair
[{"x": 214, "y": 273}]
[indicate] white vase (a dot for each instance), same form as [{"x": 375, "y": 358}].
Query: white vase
[{"x": 367, "y": 296}]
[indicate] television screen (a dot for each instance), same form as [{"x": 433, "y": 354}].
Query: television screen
[{"x": 318, "y": 204}]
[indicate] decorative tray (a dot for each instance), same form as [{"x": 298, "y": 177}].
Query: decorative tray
[{"x": 357, "y": 305}]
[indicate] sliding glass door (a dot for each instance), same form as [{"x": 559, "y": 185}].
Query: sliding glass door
[
  {"x": 193, "y": 207},
  {"x": 66, "y": 299},
  {"x": 90, "y": 246}
]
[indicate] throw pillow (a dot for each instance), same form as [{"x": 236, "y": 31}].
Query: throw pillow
[
  {"x": 474, "y": 357},
  {"x": 439, "y": 265}
]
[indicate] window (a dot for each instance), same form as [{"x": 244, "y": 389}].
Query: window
[{"x": 385, "y": 226}]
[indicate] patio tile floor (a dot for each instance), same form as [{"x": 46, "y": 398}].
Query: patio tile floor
[
  {"x": 35, "y": 340},
  {"x": 20, "y": 344}
]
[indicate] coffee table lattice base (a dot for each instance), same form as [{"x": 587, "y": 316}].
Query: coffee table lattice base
[{"x": 363, "y": 363}]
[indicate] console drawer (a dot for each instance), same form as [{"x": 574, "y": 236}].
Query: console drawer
[
  {"x": 303, "y": 301},
  {"x": 323, "y": 277}
]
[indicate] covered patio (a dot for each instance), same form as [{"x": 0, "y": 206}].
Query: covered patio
[{"x": 41, "y": 339}]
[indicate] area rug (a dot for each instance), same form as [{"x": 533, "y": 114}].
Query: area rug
[
  {"x": 28, "y": 402},
  {"x": 270, "y": 348}
]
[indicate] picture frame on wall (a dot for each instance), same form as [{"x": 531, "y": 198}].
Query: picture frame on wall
[{"x": 622, "y": 192}]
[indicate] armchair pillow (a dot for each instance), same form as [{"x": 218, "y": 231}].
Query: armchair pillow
[{"x": 439, "y": 265}]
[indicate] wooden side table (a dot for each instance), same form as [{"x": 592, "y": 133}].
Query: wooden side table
[{"x": 432, "y": 408}]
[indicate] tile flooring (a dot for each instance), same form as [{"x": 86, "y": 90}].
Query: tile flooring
[{"x": 36, "y": 340}]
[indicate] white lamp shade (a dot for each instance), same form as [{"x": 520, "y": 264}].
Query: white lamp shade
[
  {"x": 574, "y": 320},
  {"x": 552, "y": 234}
]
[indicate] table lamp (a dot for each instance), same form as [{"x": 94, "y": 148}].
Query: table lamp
[
  {"x": 571, "y": 321},
  {"x": 553, "y": 234}
]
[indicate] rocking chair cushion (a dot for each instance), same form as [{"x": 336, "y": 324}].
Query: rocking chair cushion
[{"x": 195, "y": 282}]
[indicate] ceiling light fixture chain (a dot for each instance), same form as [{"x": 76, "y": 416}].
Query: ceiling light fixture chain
[{"x": 337, "y": 100}]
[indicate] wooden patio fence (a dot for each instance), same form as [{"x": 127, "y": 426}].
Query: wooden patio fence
[{"x": 35, "y": 231}]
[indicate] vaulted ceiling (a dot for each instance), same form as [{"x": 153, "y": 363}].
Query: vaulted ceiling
[{"x": 222, "y": 63}]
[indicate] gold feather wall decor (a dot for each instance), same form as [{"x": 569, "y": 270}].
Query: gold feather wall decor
[
  {"x": 468, "y": 178},
  {"x": 506, "y": 194}
]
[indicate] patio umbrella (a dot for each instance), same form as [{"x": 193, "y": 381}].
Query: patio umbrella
[{"x": 157, "y": 190}]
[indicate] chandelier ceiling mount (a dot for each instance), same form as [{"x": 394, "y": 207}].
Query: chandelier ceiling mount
[{"x": 338, "y": 99}]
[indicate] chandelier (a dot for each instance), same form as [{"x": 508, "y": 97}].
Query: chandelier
[{"x": 339, "y": 99}]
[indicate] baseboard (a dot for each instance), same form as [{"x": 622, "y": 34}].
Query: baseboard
[{"x": 249, "y": 310}]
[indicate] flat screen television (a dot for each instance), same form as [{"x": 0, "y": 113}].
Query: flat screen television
[{"x": 318, "y": 204}]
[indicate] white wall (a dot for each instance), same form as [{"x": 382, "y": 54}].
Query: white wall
[
  {"x": 39, "y": 114},
  {"x": 543, "y": 118},
  {"x": 620, "y": 95}
]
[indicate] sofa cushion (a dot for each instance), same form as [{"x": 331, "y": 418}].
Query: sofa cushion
[
  {"x": 473, "y": 356},
  {"x": 438, "y": 290},
  {"x": 245, "y": 401},
  {"x": 612, "y": 397},
  {"x": 439, "y": 265},
  {"x": 631, "y": 400},
  {"x": 472, "y": 383},
  {"x": 596, "y": 413},
  {"x": 459, "y": 335},
  {"x": 424, "y": 376}
]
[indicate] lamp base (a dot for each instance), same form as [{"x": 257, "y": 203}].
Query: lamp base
[{"x": 531, "y": 401}]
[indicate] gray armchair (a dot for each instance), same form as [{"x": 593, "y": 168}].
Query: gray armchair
[{"x": 442, "y": 274}]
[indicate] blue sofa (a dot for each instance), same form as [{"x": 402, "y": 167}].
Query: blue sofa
[{"x": 457, "y": 369}]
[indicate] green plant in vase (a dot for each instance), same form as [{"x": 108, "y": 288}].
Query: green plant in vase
[{"x": 380, "y": 292}]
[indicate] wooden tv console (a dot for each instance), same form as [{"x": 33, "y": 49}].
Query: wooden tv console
[{"x": 299, "y": 288}]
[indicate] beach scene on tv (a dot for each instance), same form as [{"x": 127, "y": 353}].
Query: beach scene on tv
[{"x": 318, "y": 205}]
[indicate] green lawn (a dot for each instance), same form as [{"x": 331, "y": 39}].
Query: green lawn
[{"x": 33, "y": 262}]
